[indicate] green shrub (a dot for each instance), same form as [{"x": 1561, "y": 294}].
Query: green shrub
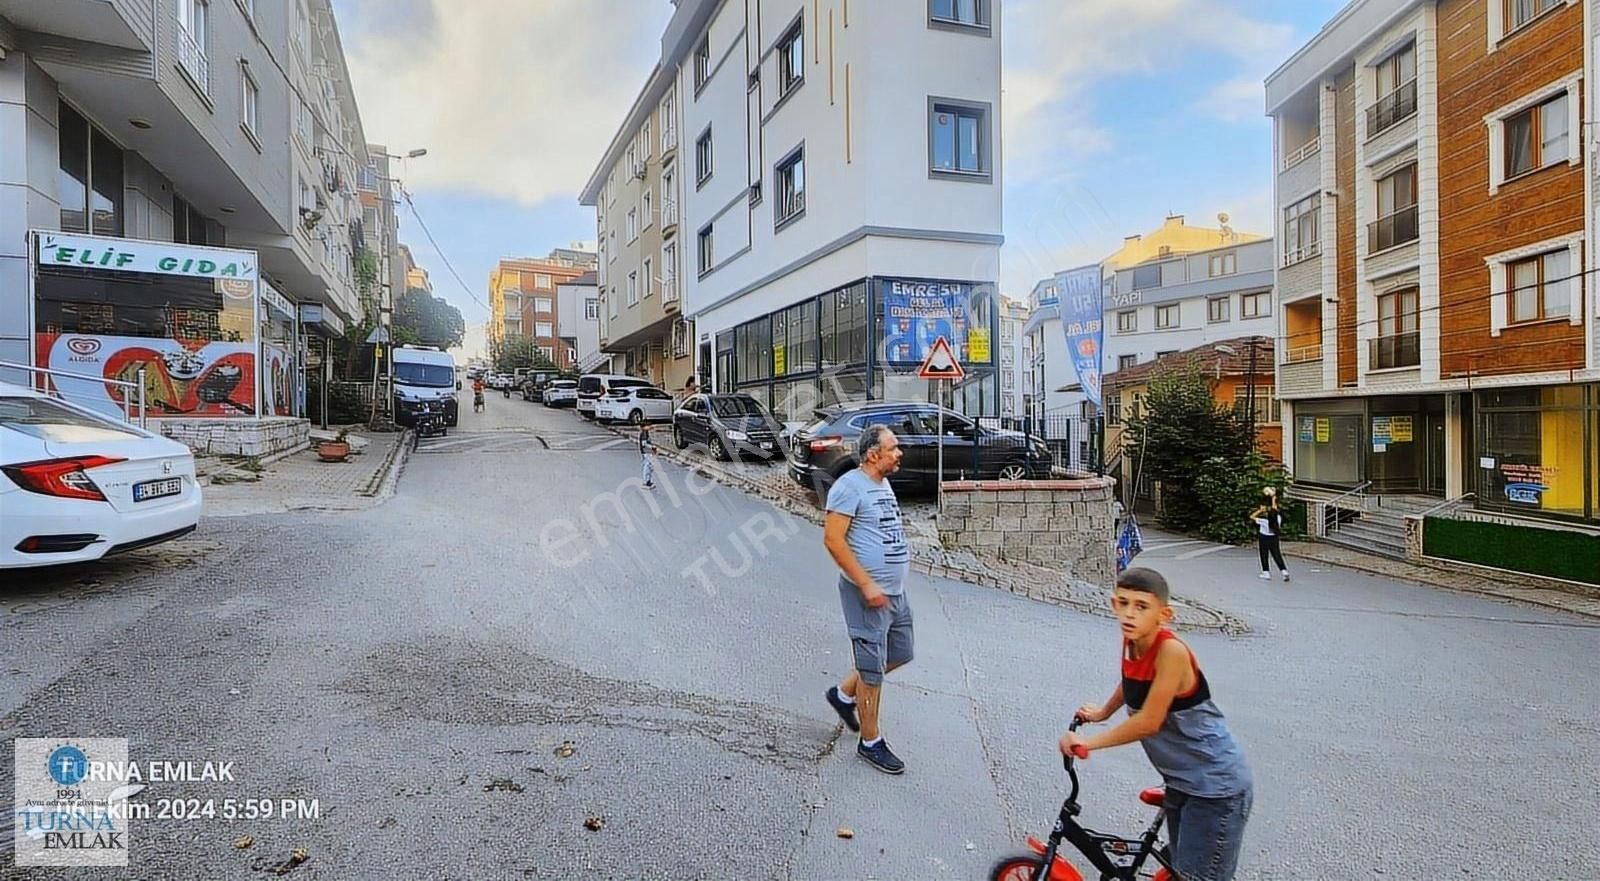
[
  {"x": 1228, "y": 490},
  {"x": 1556, "y": 553}
]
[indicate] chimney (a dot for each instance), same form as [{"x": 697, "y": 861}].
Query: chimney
[
  {"x": 1174, "y": 220},
  {"x": 1129, "y": 240}
]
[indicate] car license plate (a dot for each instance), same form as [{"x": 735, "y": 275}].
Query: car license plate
[
  {"x": 155, "y": 489},
  {"x": 766, "y": 445}
]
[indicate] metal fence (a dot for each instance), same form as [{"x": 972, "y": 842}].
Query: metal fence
[
  {"x": 111, "y": 396},
  {"x": 1070, "y": 441}
]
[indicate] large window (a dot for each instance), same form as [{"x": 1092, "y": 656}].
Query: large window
[
  {"x": 1541, "y": 287},
  {"x": 89, "y": 185},
  {"x": 1127, "y": 321},
  {"x": 1302, "y": 237},
  {"x": 1217, "y": 309},
  {"x": 1397, "y": 87},
  {"x": 1538, "y": 450},
  {"x": 792, "y": 58},
  {"x": 702, "y": 62},
  {"x": 1397, "y": 343},
  {"x": 1223, "y": 264},
  {"x": 1126, "y": 361},
  {"x": 790, "y": 183},
  {"x": 591, "y": 309},
  {"x": 1517, "y": 13},
  {"x": 544, "y": 329},
  {"x": 1537, "y": 137},
  {"x": 250, "y": 99},
  {"x": 958, "y": 138},
  {"x": 1257, "y": 305},
  {"x": 703, "y": 250},
  {"x": 649, "y": 273},
  {"x": 1397, "y": 211},
  {"x": 633, "y": 289},
  {"x": 970, "y": 13},
  {"x": 669, "y": 272},
  {"x": 1147, "y": 276},
  {"x": 1167, "y": 317},
  {"x": 192, "y": 30},
  {"x": 702, "y": 157}
]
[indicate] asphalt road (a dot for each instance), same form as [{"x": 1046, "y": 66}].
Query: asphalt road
[{"x": 464, "y": 675}]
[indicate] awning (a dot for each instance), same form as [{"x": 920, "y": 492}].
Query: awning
[
  {"x": 1040, "y": 316},
  {"x": 320, "y": 320}
]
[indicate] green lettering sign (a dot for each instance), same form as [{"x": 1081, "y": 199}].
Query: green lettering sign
[
  {"x": 205, "y": 267},
  {"x": 168, "y": 263},
  {"x": 64, "y": 254}
]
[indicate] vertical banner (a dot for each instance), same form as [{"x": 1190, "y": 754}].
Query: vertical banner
[{"x": 1082, "y": 308}]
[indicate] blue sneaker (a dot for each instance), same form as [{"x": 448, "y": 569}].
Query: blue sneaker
[
  {"x": 881, "y": 757},
  {"x": 847, "y": 712}
]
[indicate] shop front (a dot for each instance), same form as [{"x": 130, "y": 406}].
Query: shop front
[
  {"x": 189, "y": 320},
  {"x": 1538, "y": 451},
  {"x": 865, "y": 340},
  {"x": 1397, "y": 443}
]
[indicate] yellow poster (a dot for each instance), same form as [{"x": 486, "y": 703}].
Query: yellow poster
[
  {"x": 1324, "y": 430},
  {"x": 1400, "y": 429},
  {"x": 978, "y": 345},
  {"x": 778, "y": 355}
]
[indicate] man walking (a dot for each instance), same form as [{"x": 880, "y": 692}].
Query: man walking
[{"x": 866, "y": 538}]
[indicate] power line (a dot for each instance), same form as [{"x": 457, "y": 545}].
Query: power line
[{"x": 440, "y": 251}]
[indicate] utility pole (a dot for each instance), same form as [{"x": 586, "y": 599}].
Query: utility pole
[{"x": 1250, "y": 393}]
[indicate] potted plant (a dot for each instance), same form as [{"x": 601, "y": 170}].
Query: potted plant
[{"x": 335, "y": 450}]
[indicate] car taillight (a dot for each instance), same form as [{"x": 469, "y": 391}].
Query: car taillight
[
  {"x": 818, "y": 444},
  {"x": 63, "y": 478}
]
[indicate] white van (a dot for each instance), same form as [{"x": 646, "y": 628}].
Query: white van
[
  {"x": 592, "y": 385},
  {"x": 423, "y": 373}
]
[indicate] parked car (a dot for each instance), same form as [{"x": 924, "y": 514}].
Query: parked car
[
  {"x": 76, "y": 485},
  {"x": 728, "y": 425},
  {"x": 591, "y": 386},
  {"x": 635, "y": 404},
  {"x": 824, "y": 450},
  {"x": 561, "y": 393}
]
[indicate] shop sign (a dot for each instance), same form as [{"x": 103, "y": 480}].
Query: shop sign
[
  {"x": 1308, "y": 429},
  {"x": 275, "y": 300},
  {"x": 1525, "y": 484},
  {"x": 1324, "y": 429},
  {"x": 978, "y": 345},
  {"x": 1382, "y": 430},
  {"x": 135, "y": 255},
  {"x": 1082, "y": 311},
  {"x": 1400, "y": 429},
  {"x": 917, "y": 313},
  {"x": 779, "y": 360}
]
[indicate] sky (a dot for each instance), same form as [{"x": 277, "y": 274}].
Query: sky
[{"x": 1116, "y": 113}]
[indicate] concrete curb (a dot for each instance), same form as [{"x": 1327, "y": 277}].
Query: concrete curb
[
  {"x": 387, "y": 478},
  {"x": 262, "y": 462}
]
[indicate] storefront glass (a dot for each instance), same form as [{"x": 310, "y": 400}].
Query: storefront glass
[
  {"x": 187, "y": 316},
  {"x": 1327, "y": 442},
  {"x": 279, "y": 350},
  {"x": 1537, "y": 450}
]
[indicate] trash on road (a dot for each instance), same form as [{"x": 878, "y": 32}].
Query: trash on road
[
  {"x": 594, "y": 824},
  {"x": 244, "y": 842},
  {"x": 846, "y": 832},
  {"x": 566, "y": 750}
]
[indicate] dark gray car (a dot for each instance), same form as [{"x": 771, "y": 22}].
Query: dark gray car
[{"x": 729, "y": 426}]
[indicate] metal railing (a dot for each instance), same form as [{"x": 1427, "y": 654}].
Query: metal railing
[
  {"x": 1306, "y": 151},
  {"x": 1392, "y": 108},
  {"x": 1399, "y": 350},
  {"x": 1392, "y": 231},
  {"x": 1446, "y": 504},
  {"x": 1331, "y": 508},
  {"x": 131, "y": 398},
  {"x": 1303, "y": 354},
  {"x": 1304, "y": 252},
  {"x": 193, "y": 58}
]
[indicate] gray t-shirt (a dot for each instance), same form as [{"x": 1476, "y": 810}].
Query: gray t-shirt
[{"x": 876, "y": 534}]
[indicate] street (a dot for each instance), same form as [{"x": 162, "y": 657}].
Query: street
[{"x": 519, "y": 641}]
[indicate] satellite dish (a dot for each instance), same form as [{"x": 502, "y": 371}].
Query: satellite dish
[{"x": 1223, "y": 218}]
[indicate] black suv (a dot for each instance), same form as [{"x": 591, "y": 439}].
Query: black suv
[
  {"x": 824, "y": 450},
  {"x": 730, "y": 425}
]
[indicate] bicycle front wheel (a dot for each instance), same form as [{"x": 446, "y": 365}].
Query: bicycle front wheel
[{"x": 1030, "y": 867}]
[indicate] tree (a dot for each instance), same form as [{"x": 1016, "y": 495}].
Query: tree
[
  {"x": 519, "y": 351},
  {"x": 428, "y": 319},
  {"x": 1184, "y": 434}
]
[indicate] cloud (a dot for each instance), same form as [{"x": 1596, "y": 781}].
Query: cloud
[
  {"x": 511, "y": 99},
  {"x": 1236, "y": 100}
]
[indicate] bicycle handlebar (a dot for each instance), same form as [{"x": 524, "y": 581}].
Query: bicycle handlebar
[{"x": 1078, "y": 750}]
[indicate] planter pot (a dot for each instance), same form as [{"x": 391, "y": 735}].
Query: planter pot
[{"x": 333, "y": 451}]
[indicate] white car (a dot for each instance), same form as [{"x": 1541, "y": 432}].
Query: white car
[
  {"x": 76, "y": 485},
  {"x": 561, "y": 393},
  {"x": 636, "y": 404}
]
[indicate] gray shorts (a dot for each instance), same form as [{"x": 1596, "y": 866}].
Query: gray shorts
[{"x": 881, "y": 638}]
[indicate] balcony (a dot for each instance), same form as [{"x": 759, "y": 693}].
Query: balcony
[
  {"x": 669, "y": 139},
  {"x": 192, "y": 57},
  {"x": 669, "y": 213},
  {"x": 1401, "y": 104},
  {"x": 1392, "y": 231},
  {"x": 1303, "y": 354},
  {"x": 1304, "y": 252},
  {"x": 1397, "y": 351},
  {"x": 669, "y": 289},
  {"x": 1310, "y": 149}
]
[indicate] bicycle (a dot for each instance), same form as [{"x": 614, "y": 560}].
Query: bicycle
[{"x": 1115, "y": 857}]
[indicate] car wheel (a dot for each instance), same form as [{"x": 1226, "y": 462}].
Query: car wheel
[
  {"x": 636, "y": 417},
  {"x": 1015, "y": 471},
  {"x": 677, "y": 438},
  {"x": 719, "y": 450}
]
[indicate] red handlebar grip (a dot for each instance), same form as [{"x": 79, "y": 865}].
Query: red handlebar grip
[{"x": 1080, "y": 750}]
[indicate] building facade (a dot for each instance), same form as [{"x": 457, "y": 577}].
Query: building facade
[
  {"x": 1015, "y": 354},
  {"x": 523, "y": 295},
  {"x": 380, "y": 224},
  {"x": 1436, "y": 182},
  {"x": 578, "y": 320},
  {"x": 139, "y": 129}
]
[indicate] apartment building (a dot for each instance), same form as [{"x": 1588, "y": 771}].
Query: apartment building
[
  {"x": 1015, "y": 354},
  {"x": 1435, "y": 179},
  {"x": 415, "y": 276},
  {"x": 523, "y": 296},
  {"x": 380, "y": 223},
  {"x": 578, "y": 320},
  {"x": 186, "y": 171}
]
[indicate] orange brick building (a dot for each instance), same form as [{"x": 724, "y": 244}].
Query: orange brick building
[
  {"x": 523, "y": 300},
  {"x": 1434, "y": 183}
]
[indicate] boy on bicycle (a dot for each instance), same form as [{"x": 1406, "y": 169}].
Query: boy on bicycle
[{"x": 1170, "y": 714}]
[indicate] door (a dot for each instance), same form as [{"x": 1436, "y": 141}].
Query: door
[{"x": 1434, "y": 463}]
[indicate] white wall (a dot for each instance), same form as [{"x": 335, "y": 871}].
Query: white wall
[{"x": 571, "y": 320}]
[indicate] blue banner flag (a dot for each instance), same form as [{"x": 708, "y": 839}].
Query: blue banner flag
[
  {"x": 1082, "y": 309},
  {"x": 1129, "y": 543}
]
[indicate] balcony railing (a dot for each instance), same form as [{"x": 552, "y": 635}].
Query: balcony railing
[
  {"x": 669, "y": 290},
  {"x": 1302, "y": 354},
  {"x": 669, "y": 212},
  {"x": 1400, "y": 350},
  {"x": 193, "y": 58},
  {"x": 1304, "y": 252},
  {"x": 1311, "y": 148},
  {"x": 669, "y": 138},
  {"x": 1392, "y": 231},
  {"x": 1392, "y": 108}
]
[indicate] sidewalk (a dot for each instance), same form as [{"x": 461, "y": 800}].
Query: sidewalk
[{"x": 302, "y": 482}]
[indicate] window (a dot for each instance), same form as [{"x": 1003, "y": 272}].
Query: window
[
  {"x": 543, "y": 305},
  {"x": 647, "y": 208},
  {"x": 958, "y": 138},
  {"x": 1397, "y": 211},
  {"x": 669, "y": 205},
  {"x": 680, "y": 338},
  {"x": 649, "y": 272},
  {"x": 89, "y": 183},
  {"x": 1167, "y": 317},
  {"x": 1223, "y": 264},
  {"x": 633, "y": 224},
  {"x": 704, "y": 250},
  {"x": 591, "y": 308},
  {"x": 548, "y": 353},
  {"x": 1255, "y": 305},
  {"x": 1114, "y": 409},
  {"x": 970, "y": 13},
  {"x": 369, "y": 177},
  {"x": 1268, "y": 410},
  {"x": 669, "y": 272},
  {"x": 544, "y": 329},
  {"x": 633, "y": 289},
  {"x": 1126, "y": 361},
  {"x": 792, "y": 58},
  {"x": 790, "y": 182},
  {"x": 192, "y": 42},
  {"x": 1541, "y": 287},
  {"x": 613, "y": 299},
  {"x": 302, "y": 30},
  {"x": 1301, "y": 230},
  {"x": 646, "y": 145},
  {"x": 669, "y": 124},
  {"x": 702, "y": 63},
  {"x": 1398, "y": 341},
  {"x": 1145, "y": 277},
  {"x": 250, "y": 99},
  {"x": 1127, "y": 322},
  {"x": 1537, "y": 137},
  {"x": 702, "y": 157},
  {"x": 1396, "y": 87},
  {"x": 1217, "y": 309},
  {"x": 1519, "y": 12}
]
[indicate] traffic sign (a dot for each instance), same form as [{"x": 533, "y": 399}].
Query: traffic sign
[{"x": 941, "y": 363}]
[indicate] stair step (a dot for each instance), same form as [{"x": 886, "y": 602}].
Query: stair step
[{"x": 1362, "y": 544}]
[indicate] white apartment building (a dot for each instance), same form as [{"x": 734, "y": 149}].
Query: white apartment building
[
  {"x": 578, "y": 319},
  {"x": 208, "y": 152},
  {"x": 1016, "y": 354},
  {"x": 841, "y": 171}
]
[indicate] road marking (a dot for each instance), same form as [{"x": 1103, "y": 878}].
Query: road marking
[{"x": 1203, "y": 551}]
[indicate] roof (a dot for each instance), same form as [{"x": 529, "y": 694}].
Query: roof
[
  {"x": 589, "y": 279},
  {"x": 1206, "y": 358}
]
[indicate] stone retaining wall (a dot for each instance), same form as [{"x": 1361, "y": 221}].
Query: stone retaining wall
[
  {"x": 1063, "y": 525},
  {"x": 236, "y": 437}
]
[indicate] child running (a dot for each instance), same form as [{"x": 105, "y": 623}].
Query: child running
[
  {"x": 1170, "y": 714},
  {"x": 647, "y": 452}
]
